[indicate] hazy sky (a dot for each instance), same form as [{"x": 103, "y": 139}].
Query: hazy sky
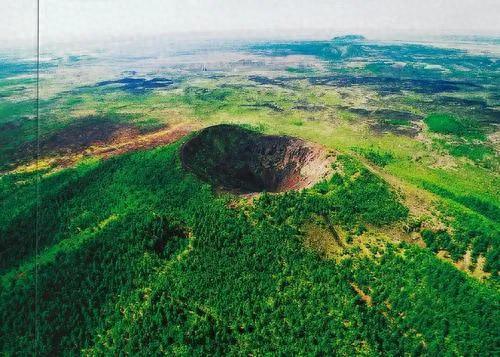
[{"x": 72, "y": 20}]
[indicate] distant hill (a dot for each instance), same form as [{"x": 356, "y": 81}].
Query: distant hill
[{"x": 349, "y": 38}]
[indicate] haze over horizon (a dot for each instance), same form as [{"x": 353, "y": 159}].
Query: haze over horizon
[{"x": 63, "y": 21}]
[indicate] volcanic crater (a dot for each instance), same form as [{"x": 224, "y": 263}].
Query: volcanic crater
[{"x": 239, "y": 160}]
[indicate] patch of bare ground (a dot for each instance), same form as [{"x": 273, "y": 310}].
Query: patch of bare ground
[
  {"x": 474, "y": 268},
  {"x": 464, "y": 263},
  {"x": 432, "y": 157},
  {"x": 494, "y": 138},
  {"x": 444, "y": 161},
  {"x": 85, "y": 133},
  {"x": 68, "y": 148},
  {"x": 132, "y": 142},
  {"x": 367, "y": 299},
  {"x": 478, "y": 271}
]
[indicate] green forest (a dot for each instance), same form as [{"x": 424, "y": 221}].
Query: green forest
[{"x": 155, "y": 250}]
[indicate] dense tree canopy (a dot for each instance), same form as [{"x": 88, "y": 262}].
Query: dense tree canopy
[{"x": 138, "y": 256}]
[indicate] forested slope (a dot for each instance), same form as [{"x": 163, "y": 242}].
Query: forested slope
[{"x": 137, "y": 255}]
